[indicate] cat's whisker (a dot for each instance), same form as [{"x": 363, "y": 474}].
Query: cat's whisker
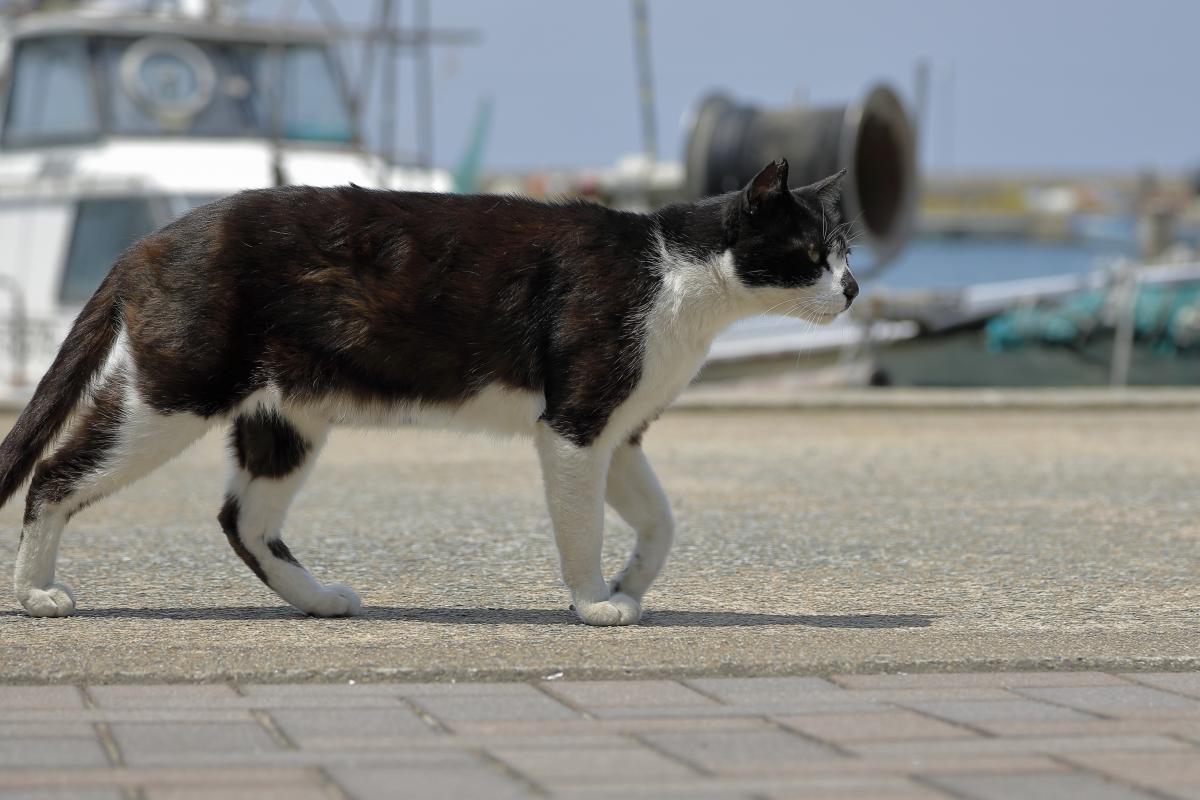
[{"x": 780, "y": 303}]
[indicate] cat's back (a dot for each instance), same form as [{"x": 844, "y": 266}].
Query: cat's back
[
  {"x": 354, "y": 222},
  {"x": 409, "y": 248},
  {"x": 381, "y": 255}
]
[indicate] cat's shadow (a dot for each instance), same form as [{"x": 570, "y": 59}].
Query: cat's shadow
[{"x": 654, "y": 618}]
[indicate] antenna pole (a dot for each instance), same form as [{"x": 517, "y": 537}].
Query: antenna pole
[
  {"x": 645, "y": 78},
  {"x": 387, "y": 121},
  {"x": 424, "y": 81}
]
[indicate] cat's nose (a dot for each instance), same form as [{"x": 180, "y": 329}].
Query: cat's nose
[{"x": 850, "y": 289}]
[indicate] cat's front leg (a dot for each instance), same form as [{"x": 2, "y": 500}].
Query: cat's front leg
[{"x": 575, "y": 477}]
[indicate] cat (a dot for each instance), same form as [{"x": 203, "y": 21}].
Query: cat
[{"x": 284, "y": 311}]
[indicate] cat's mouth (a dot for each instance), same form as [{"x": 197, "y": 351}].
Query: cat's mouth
[{"x": 819, "y": 316}]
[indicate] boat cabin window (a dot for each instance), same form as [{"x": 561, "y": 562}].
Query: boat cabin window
[
  {"x": 312, "y": 103},
  {"x": 104, "y": 227},
  {"x": 75, "y": 88},
  {"x": 52, "y": 97}
]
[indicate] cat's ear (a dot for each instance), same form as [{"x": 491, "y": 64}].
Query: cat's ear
[
  {"x": 771, "y": 180},
  {"x": 828, "y": 192}
]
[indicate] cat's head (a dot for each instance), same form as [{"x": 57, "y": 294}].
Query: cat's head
[{"x": 790, "y": 250}]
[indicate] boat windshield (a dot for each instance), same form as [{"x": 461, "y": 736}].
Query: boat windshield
[
  {"x": 75, "y": 88},
  {"x": 104, "y": 227},
  {"x": 51, "y": 99}
]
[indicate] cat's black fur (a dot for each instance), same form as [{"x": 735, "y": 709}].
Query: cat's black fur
[{"x": 391, "y": 296}]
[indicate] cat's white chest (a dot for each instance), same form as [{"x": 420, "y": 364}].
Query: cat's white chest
[
  {"x": 668, "y": 366},
  {"x": 678, "y": 331}
]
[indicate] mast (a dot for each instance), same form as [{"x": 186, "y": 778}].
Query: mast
[{"x": 645, "y": 79}]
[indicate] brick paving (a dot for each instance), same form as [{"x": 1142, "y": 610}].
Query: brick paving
[{"x": 901, "y": 737}]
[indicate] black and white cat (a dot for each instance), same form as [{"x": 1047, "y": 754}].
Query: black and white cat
[{"x": 283, "y": 312}]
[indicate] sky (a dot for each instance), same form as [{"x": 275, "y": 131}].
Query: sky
[{"x": 1064, "y": 86}]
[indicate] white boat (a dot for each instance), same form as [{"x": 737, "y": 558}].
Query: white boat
[{"x": 113, "y": 121}]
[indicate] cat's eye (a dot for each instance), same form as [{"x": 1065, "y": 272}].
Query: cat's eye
[{"x": 814, "y": 255}]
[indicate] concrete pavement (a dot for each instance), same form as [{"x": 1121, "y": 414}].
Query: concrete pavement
[{"x": 811, "y": 541}]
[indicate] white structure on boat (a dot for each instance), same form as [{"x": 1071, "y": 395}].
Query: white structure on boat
[{"x": 113, "y": 122}]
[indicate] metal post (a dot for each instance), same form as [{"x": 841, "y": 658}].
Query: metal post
[
  {"x": 424, "y": 80},
  {"x": 645, "y": 77},
  {"x": 1124, "y": 301},
  {"x": 276, "y": 54},
  {"x": 948, "y": 120},
  {"x": 366, "y": 71},
  {"x": 354, "y": 96},
  {"x": 387, "y": 121},
  {"x": 920, "y": 105}
]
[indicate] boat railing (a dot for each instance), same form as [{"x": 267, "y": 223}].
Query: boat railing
[
  {"x": 17, "y": 330},
  {"x": 28, "y": 341},
  {"x": 1125, "y": 280},
  {"x": 943, "y": 310}
]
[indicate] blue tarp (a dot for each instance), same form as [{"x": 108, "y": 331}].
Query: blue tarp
[{"x": 1164, "y": 319}]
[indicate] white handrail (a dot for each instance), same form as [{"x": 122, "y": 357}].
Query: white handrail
[{"x": 18, "y": 328}]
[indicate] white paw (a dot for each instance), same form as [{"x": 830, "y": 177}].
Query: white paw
[
  {"x": 57, "y": 600},
  {"x": 620, "y": 609},
  {"x": 334, "y": 600}
]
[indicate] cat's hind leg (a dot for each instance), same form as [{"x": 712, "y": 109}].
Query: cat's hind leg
[
  {"x": 634, "y": 493},
  {"x": 117, "y": 440},
  {"x": 275, "y": 452}
]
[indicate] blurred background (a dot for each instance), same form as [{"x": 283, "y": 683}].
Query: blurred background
[{"x": 1022, "y": 175}]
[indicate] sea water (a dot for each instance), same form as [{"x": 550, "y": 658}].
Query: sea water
[{"x": 947, "y": 263}]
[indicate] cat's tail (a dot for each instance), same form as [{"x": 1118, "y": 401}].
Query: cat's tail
[{"x": 81, "y": 355}]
